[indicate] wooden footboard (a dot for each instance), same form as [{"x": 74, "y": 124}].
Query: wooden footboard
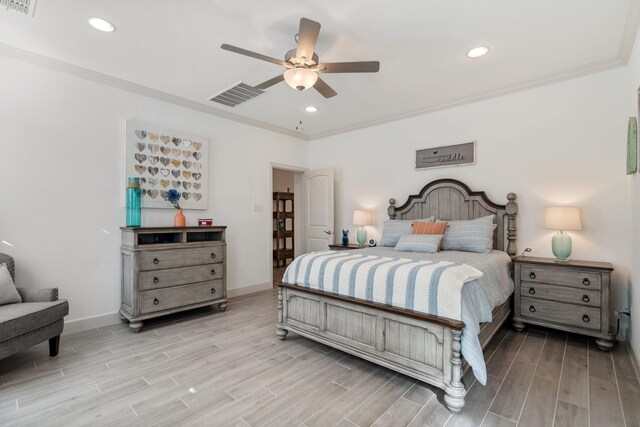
[{"x": 428, "y": 350}]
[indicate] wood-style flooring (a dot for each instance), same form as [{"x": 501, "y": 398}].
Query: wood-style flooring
[{"x": 212, "y": 368}]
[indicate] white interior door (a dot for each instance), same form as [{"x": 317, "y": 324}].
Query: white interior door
[{"x": 319, "y": 209}]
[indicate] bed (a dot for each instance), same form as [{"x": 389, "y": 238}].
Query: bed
[{"x": 424, "y": 346}]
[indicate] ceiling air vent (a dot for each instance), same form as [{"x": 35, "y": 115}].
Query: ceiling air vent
[
  {"x": 236, "y": 95},
  {"x": 28, "y": 7}
]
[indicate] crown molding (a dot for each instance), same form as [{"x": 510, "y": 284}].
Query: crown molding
[
  {"x": 104, "y": 79},
  {"x": 630, "y": 31},
  {"x": 592, "y": 68}
]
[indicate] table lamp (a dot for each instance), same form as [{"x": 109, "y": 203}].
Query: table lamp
[
  {"x": 562, "y": 218},
  {"x": 361, "y": 218}
]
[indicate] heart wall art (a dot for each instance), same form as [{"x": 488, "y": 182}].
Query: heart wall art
[{"x": 164, "y": 159}]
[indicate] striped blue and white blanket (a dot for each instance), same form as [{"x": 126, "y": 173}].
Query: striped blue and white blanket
[
  {"x": 434, "y": 287},
  {"x": 431, "y": 287}
]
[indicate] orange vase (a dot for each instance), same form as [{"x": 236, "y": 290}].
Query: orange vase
[{"x": 179, "y": 220}]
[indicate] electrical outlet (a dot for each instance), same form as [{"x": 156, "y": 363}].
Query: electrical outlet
[{"x": 623, "y": 312}]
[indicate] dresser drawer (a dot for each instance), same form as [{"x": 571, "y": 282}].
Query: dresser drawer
[
  {"x": 557, "y": 276},
  {"x": 567, "y": 314},
  {"x": 155, "y": 260},
  {"x": 179, "y": 276},
  {"x": 560, "y": 293},
  {"x": 163, "y": 299}
]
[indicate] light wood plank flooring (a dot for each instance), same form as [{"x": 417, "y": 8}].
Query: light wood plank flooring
[{"x": 212, "y": 368}]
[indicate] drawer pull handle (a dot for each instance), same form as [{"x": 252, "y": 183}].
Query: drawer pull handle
[
  {"x": 213, "y": 255},
  {"x": 156, "y": 301},
  {"x": 532, "y": 309},
  {"x": 213, "y": 272},
  {"x": 213, "y": 290},
  {"x": 586, "y": 281},
  {"x": 585, "y": 318},
  {"x": 156, "y": 280},
  {"x": 532, "y": 291},
  {"x": 156, "y": 261},
  {"x": 532, "y": 275},
  {"x": 585, "y": 298}
]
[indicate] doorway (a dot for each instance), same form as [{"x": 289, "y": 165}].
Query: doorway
[{"x": 287, "y": 226}]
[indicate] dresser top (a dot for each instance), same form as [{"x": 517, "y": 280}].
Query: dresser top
[
  {"x": 176, "y": 229},
  {"x": 571, "y": 263}
]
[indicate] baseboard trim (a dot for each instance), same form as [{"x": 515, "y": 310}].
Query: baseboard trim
[
  {"x": 248, "y": 289},
  {"x": 92, "y": 322},
  {"x": 633, "y": 355}
]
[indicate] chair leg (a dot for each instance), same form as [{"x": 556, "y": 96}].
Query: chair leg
[{"x": 54, "y": 346}]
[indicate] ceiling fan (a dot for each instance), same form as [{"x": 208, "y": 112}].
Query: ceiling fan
[{"x": 302, "y": 63}]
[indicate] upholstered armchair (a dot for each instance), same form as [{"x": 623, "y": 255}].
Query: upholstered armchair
[{"x": 39, "y": 317}]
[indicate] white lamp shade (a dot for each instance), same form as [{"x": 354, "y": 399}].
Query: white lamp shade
[
  {"x": 300, "y": 78},
  {"x": 361, "y": 217},
  {"x": 562, "y": 218}
]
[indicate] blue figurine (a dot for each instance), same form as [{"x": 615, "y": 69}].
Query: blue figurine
[{"x": 345, "y": 237}]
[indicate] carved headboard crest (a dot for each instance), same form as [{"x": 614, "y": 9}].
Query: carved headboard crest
[{"x": 449, "y": 199}]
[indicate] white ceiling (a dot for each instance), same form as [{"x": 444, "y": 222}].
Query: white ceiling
[{"x": 172, "y": 49}]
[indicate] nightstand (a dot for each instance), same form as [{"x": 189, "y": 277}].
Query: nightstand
[
  {"x": 571, "y": 296},
  {"x": 348, "y": 247}
]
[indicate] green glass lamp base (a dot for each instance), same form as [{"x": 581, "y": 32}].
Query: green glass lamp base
[
  {"x": 561, "y": 246},
  {"x": 361, "y": 236}
]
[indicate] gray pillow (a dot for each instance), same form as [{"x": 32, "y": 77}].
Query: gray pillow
[
  {"x": 475, "y": 235},
  {"x": 425, "y": 243},
  {"x": 393, "y": 229},
  {"x": 8, "y": 292}
]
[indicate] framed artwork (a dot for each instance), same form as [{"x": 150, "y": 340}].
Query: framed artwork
[
  {"x": 164, "y": 159},
  {"x": 632, "y": 146},
  {"x": 448, "y": 155}
]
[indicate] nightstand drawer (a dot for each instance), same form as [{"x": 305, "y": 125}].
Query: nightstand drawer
[
  {"x": 567, "y": 314},
  {"x": 560, "y": 293},
  {"x": 558, "y": 276}
]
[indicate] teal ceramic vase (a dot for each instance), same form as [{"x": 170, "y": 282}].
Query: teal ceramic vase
[
  {"x": 561, "y": 246},
  {"x": 134, "y": 205},
  {"x": 362, "y": 236}
]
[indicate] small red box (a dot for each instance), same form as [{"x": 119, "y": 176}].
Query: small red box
[{"x": 205, "y": 222}]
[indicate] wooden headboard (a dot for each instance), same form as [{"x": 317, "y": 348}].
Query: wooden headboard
[{"x": 449, "y": 199}]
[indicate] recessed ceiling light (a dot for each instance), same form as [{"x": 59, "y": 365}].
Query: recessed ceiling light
[
  {"x": 311, "y": 109},
  {"x": 102, "y": 25},
  {"x": 477, "y": 52}
]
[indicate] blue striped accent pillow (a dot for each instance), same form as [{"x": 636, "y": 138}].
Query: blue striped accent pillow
[
  {"x": 393, "y": 229},
  {"x": 425, "y": 243},
  {"x": 475, "y": 235}
]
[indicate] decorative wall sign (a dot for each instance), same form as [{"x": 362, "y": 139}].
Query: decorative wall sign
[
  {"x": 448, "y": 155},
  {"x": 632, "y": 146},
  {"x": 165, "y": 159}
]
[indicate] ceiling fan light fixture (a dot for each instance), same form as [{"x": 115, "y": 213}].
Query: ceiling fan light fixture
[
  {"x": 102, "y": 25},
  {"x": 477, "y": 52},
  {"x": 300, "y": 78}
]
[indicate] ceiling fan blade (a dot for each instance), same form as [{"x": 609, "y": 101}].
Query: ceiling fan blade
[
  {"x": 307, "y": 38},
  {"x": 349, "y": 67},
  {"x": 324, "y": 89},
  {"x": 277, "y": 79},
  {"x": 246, "y": 52}
]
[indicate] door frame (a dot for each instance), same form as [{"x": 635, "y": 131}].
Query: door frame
[{"x": 301, "y": 244}]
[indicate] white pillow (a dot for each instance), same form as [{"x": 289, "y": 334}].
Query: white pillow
[
  {"x": 475, "y": 235},
  {"x": 393, "y": 229},
  {"x": 8, "y": 292},
  {"x": 425, "y": 243}
]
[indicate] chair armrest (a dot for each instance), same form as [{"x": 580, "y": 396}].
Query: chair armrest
[{"x": 38, "y": 294}]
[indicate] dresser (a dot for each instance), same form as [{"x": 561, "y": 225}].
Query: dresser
[
  {"x": 572, "y": 296},
  {"x": 167, "y": 270}
]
